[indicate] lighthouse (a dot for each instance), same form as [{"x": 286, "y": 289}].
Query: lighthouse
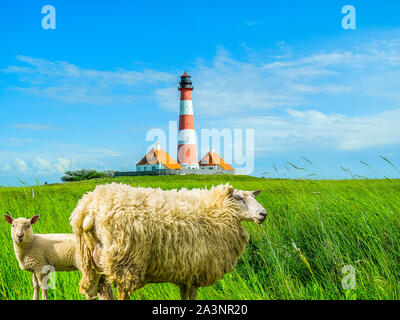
[{"x": 187, "y": 150}]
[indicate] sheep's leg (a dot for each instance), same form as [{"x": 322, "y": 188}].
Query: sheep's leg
[
  {"x": 193, "y": 293},
  {"x": 93, "y": 288},
  {"x": 184, "y": 291},
  {"x": 42, "y": 281},
  {"x": 36, "y": 287},
  {"x": 44, "y": 294},
  {"x": 123, "y": 294},
  {"x": 130, "y": 278},
  {"x": 105, "y": 291},
  {"x": 126, "y": 288}
]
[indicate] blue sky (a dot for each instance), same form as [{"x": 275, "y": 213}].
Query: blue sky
[{"x": 86, "y": 94}]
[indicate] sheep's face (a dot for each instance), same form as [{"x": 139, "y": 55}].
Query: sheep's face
[
  {"x": 21, "y": 228},
  {"x": 251, "y": 209}
]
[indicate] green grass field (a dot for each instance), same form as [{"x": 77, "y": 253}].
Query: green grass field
[{"x": 313, "y": 230}]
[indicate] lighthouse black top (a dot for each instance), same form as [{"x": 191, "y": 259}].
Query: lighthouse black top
[{"x": 186, "y": 82}]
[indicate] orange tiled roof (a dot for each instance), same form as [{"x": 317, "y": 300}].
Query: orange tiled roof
[
  {"x": 155, "y": 156},
  {"x": 214, "y": 159}
]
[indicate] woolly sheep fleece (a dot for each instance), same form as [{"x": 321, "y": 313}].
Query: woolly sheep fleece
[{"x": 186, "y": 237}]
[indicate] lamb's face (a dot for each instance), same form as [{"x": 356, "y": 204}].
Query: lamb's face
[
  {"x": 21, "y": 228},
  {"x": 251, "y": 209}
]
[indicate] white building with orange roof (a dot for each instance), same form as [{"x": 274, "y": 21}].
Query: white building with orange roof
[
  {"x": 157, "y": 159},
  {"x": 213, "y": 162}
]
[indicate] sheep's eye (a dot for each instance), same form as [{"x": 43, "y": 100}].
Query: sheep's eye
[{"x": 239, "y": 198}]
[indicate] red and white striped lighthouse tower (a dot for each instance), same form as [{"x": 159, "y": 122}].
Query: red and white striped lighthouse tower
[{"x": 187, "y": 150}]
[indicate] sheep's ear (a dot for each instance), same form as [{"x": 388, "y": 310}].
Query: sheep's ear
[
  {"x": 8, "y": 218},
  {"x": 230, "y": 191},
  {"x": 256, "y": 193},
  {"x": 34, "y": 219}
]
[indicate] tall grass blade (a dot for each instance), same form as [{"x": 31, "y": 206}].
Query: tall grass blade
[{"x": 388, "y": 161}]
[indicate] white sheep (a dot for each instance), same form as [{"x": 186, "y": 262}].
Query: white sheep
[
  {"x": 142, "y": 235},
  {"x": 42, "y": 253}
]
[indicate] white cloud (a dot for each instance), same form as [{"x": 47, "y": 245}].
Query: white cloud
[
  {"x": 313, "y": 129},
  {"x": 18, "y": 141},
  {"x": 39, "y": 166},
  {"x": 296, "y": 89},
  {"x": 32, "y": 126},
  {"x": 5, "y": 168},
  {"x": 42, "y": 164},
  {"x": 21, "y": 165},
  {"x": 62, "y": 165},
  {"x": 51, "y": 163},
  {"x": 104, "y": 153},
  {"x": 251, "y": 23},
  {"x": 70, "y": 83},
  {"x": 65, "y": 70},
  {"x": 230, "y": 87},
  {"x": 85, "y": 153}
]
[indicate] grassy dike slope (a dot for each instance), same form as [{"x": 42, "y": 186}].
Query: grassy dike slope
[{"x": 313, "y": 230}]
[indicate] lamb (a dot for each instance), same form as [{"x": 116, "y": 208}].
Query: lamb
[
  {"x": 191, "y": 238},
  {"x": 39, "y": 253}
]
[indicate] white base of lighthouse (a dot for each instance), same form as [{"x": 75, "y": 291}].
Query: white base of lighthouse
[{"x": 190, "y": 165}]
